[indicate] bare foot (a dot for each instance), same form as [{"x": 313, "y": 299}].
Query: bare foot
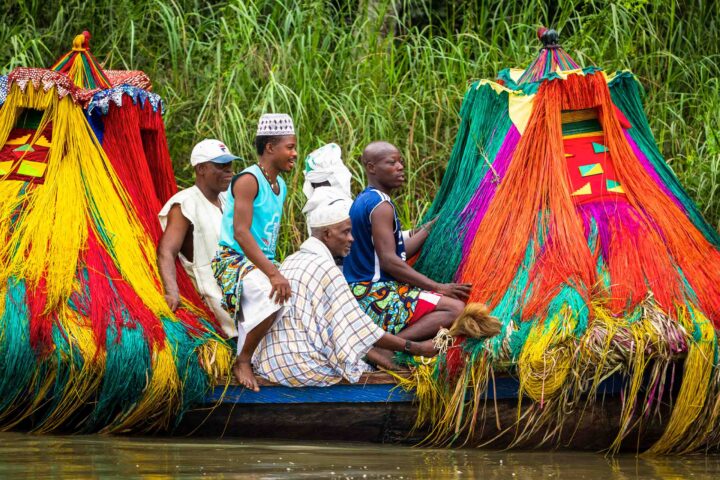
[
  {"x": 243, "y": 373},
  {"x": 381, "y": 357},
  {"x": 425, "y": 349}
]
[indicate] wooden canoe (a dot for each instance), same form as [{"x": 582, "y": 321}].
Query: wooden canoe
[{"x": 376, "y": 410}]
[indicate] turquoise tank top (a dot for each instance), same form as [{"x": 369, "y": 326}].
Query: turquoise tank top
[{"x": 267, "y": 212}]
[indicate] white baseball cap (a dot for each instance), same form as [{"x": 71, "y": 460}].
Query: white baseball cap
[{"x": 210, "y": 150}]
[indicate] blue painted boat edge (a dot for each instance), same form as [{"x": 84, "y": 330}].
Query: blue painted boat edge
[{"x": 505, "y": 388}]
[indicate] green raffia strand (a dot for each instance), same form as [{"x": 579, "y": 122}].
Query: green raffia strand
[
  {"x": 18, "y": 363},
  {"x": 195, "y": 381},
  {"x": 626, "y": 96},
  {"x": 128, "y": 369},
  {"x": 442, "y": 254},
  {"x": 62, "y": 369}
]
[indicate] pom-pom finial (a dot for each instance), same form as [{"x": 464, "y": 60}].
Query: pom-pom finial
[
  {"x": 549, "y": 37},
  {"x": 81, "y": 42}
]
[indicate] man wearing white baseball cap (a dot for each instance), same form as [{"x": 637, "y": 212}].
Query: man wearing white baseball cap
[{"x": 191, "y": 222}]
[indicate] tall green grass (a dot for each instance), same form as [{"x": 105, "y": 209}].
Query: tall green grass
[{"x": 353, "y": 72}]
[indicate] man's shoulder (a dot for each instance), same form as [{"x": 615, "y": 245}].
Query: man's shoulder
[
  {"x": 306, "y": 260},
  {"x": 184, "y": 194},
  {"x": 182, "y": 197},
  {"x": 368, "y": 199}
]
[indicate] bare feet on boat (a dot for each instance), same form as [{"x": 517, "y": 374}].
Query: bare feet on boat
[
  {"x": 383, "y": 358},
  {"x": 243, "y": 373}
]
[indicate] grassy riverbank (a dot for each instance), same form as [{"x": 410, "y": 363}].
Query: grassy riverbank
[{"x": 351, "y": 74}]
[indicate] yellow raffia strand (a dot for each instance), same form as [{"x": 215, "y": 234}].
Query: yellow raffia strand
[
  {"x": 546, "y": 357},
  {"x": 691, "y": 399},
  {"x": 161, "y": 398},
  {"x": 216, "y": 357},
  {"x": 428, "y": 392},
  {"x": 45, "y": 239},
  {"x": 637, "y": 364},
  {"x": 82, "y": 191},
  {"x": 481, "y": 371}
]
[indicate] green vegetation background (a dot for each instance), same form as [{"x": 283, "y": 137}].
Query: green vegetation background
[{"x": 352, "y": 72}]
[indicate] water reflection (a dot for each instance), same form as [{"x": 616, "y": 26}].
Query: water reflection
[{"x": 55, "y": 457}]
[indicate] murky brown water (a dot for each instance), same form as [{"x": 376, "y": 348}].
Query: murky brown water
[{"x": 89, "y": 457}]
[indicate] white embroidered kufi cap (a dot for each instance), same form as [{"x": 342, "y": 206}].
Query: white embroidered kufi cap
[
  {"x": 328, "y": 211},
  {"x": 275, "y": 124}
]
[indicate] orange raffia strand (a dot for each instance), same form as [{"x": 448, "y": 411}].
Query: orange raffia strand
[
  {"x": 537, "y": 183},
  {"x": 667, "y": 224}
]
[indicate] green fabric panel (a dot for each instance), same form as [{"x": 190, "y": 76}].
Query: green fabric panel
[
  {"x": 626, "y": 96},
  {"x": 599, "y": 148},
  {"x": 584, "y": 126},
  {"x": 29, "y": 119}
]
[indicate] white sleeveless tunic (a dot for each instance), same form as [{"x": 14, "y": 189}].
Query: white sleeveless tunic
[{"x": 206, "y": 219}]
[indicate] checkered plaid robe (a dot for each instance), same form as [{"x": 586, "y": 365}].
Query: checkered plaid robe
[{"x": 323, "y": 335}]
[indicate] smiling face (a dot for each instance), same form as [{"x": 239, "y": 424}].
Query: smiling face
[
  {"x": 216, "y": 176},
  {"x": 282, "y": 153}
]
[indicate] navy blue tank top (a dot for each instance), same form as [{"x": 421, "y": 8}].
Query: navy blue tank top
[{"x": 362, "y": 264}]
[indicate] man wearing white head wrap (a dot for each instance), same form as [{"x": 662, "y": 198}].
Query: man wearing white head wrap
[
  {"x": 324, "y": 167},
  {"x": 322, "y": 334}
]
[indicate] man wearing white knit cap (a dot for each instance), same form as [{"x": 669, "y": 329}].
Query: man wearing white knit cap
[
  {"x": 322, "y": 334},
  {"x": 253, "y": 288}
]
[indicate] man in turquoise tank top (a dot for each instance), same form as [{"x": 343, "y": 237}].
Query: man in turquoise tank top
[{"x": 253, "y": 288}]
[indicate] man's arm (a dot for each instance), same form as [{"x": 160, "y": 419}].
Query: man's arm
[
  {"x": 416, "y": 241},
  {"x": 418, "y": 237},
  {"x": 244, "y": 190},
  {"x": 382, "y": 220},
  {"x": 168, "y": 248}
]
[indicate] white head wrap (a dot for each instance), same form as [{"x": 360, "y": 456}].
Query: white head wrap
[
  {"x": 325, "y": 165},
  {"x": 327, "y": 204},
  {"x": 275, "y": 124}
]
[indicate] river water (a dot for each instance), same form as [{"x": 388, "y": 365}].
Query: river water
[{"x": 90, "y": 457}]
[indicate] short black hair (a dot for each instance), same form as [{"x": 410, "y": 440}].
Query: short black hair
[{"x": 262, "y": 140}]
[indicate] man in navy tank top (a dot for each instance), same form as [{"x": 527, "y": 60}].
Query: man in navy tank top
[
  {"x": 254, "y": 290},
  {"x": 397, "y": 297}
]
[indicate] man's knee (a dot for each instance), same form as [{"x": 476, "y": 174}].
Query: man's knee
[{"x": 453, "y": 306}]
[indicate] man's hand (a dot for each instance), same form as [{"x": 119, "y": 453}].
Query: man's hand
[
  {"x": 173, "y": 300},
  {"x": 427, "y": 226},
  {"x": 460, "y": 291},
  {"x": 280, "y": 288}
]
